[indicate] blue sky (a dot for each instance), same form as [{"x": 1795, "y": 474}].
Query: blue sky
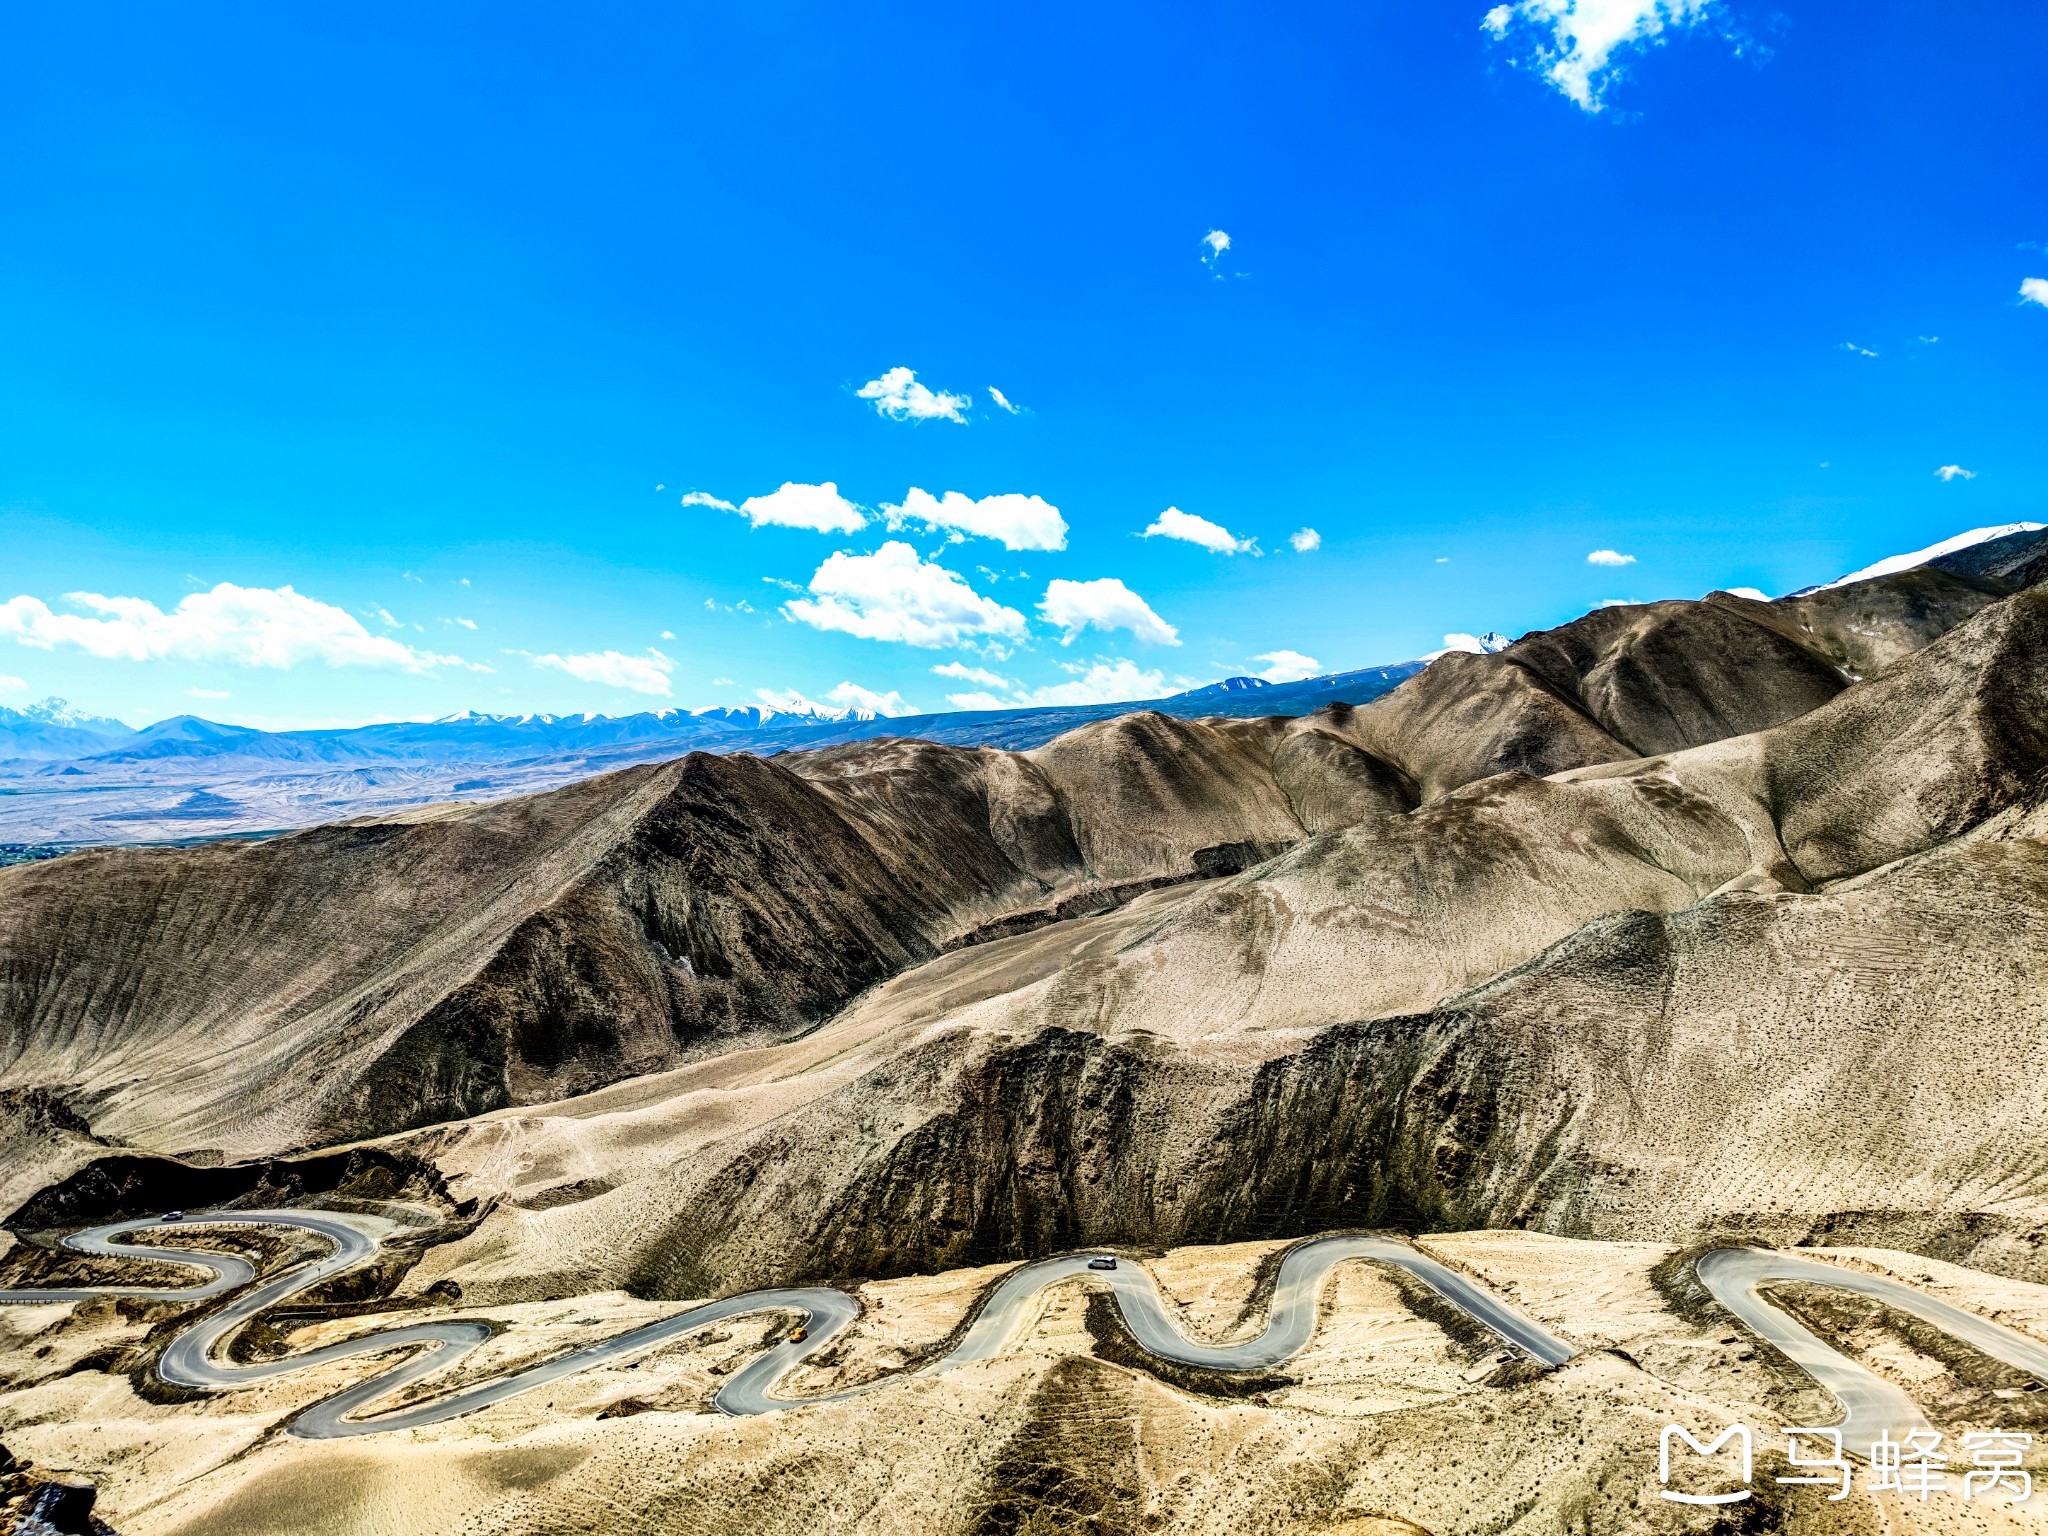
[{"x": 411, "y": 310}]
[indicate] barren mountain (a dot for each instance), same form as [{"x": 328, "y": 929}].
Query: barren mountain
[
  {"x": 1681, "y": 922},
  {"x": 1025, "y": 999}
]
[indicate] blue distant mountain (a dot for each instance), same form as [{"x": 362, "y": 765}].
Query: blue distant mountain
[
  {"x": 53, "y": 732},
  {"x": 56, "y": 730}
]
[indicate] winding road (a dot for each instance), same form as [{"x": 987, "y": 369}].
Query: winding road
[
  {"x": 1872, "y": 1407},
  {"x": 196, "y": 1358}
]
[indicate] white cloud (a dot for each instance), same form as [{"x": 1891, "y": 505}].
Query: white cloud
[
  {"x": 244, "y": 626},
  {"x": 1478, "y": 645},
  {"x": 853, "y": 696},
  {"x": 967, "y": 674},
  {"x": 389, "y": 622},
  {"x": 1105, "y": 603},
  {"x": 978, "y": 701},
  {"x": 2034, "y": 290},
  {"x": 1751, "y": 593},
  {"x": 668, "y": 634},
  {"x": 706, "y": 499},
  {"x": 1288, "y": 666},
  {"x": 465, "y": 623},
  {"x": 1020, "y": 522},
  {"x": 1217, "y": 242},
  {"x": 1949, "y": 472},
  {"x": 1186, "y": 526},
  {"x": 1304, "y": 540},
  {"x": 640, "y": 674},
  {"x": 10, "y": 684},
  {"x": 1850, "y": 346},
  {"x": 1574, "y": 43},
  {"x": 818, "y": 507},
  {"x": 846, "y": 699},
  {"x": 898, "y": 396},
  {"x": 1609, "y": 557},
  {"x": 894, "y": 595},
  {"x": 206, "y": 693},
  {"x": 1103, "y": 683},
  {"x": 1002, "y": 400}
]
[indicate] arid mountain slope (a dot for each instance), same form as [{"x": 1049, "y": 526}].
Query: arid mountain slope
[
  {"x": 364, "y": 978},
  {"x": 1654, "y": 998},
  {"x": 369, "y": 976}
]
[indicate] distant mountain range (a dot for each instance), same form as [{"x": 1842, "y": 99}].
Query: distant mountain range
[
  {"x": 69, "y": 778},
  {"x": 54, "y": 732}
]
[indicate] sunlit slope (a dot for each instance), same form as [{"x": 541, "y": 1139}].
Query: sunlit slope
[
  {"x": 1766, "y": 981},
  {"x": 241, "y": 999}
]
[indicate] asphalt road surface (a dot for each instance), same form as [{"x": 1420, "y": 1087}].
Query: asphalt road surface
[
  {"x": 194, "y": 1357},
  {"x": 1872, "y": 1406}
]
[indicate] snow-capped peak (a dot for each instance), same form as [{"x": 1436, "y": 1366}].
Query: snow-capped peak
[
  {"x": 60, "y": 712},
  {"x": 1481, "y": 645},
  {"x": 1892, "y": 564}
]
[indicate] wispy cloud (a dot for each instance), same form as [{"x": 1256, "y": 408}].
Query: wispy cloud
[
  {"x": 244, "y": 626},
  {"x": 898, "y": 396},
  {"x": 1105, "y": 604},
  {"x": 1949, "y": 472},
  {"x": 706, "y": 499},
  {"x": 1214, "y": 243},
  {"x": 1191, "y": 529},
  {"x": 1609, "y": 557},
  {"x": 1003, "y": 401},
  {"x": 614, "y": 669},
  {"x": 966, "y": 674},
  {"x": 1288, "y": 666},
  {"x": 1577, "y": 45},
  {"x": 1859, "y": 351},
  {"x": 1111, "y": 682},
  {"x": 893, "y": 594},
  {"x": 12, "y": 684}
]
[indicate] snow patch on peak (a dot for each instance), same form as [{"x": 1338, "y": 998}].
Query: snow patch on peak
[{"x": 1892, "y": 564}]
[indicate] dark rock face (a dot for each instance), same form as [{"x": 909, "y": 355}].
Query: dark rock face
[{"x": 63, "y": 1509}]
